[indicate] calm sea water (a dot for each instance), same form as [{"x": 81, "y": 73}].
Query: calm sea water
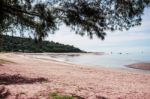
[{"x": 111, "y": 60}]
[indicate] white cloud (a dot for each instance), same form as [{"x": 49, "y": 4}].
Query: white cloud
[{"x": 113, "y": 39}]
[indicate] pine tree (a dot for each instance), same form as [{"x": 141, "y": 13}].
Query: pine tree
[{"x": 91, "y": 17}]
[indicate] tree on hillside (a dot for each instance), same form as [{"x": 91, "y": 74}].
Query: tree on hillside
[{"x": 90, "y": 17}]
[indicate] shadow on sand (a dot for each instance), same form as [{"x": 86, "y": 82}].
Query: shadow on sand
[{"x": 6, "y": 79}]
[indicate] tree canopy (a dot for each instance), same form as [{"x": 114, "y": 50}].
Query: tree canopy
[
  {"x": 19, "y": 44},
  {"x": 90, "y": 17}
]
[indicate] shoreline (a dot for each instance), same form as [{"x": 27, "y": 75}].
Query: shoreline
[
  {"x": 86, "y": 82},
  {"x": 53, "y": 58},
  {"x": 136, "y": 67}
]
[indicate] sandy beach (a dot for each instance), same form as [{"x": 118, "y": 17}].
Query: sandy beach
[{"x": 31, "y": 78}]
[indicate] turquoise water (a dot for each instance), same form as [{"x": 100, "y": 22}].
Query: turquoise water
[{"x": 115, "y": 60}]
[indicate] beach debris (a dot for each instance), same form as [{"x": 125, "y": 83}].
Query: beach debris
[{"x": 4, "y": 92}]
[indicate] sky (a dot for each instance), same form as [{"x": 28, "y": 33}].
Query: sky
[{"x": 136, "y": 39}]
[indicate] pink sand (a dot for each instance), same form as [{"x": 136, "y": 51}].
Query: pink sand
[{"x": 71, "y": 79}]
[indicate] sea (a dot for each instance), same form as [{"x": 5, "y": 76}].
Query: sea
[{"x": 106, "y": 60}]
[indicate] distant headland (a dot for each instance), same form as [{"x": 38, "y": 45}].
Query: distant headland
[{"x": 19, "y": 44}]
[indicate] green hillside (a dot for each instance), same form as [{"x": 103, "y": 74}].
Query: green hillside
[{"x": 18, "y": 44}]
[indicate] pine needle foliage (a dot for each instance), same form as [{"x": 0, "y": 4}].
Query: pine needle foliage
[{"x": 90, "y": 17}]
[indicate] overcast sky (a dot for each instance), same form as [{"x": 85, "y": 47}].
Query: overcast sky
[{"x": 135, "y": 39}]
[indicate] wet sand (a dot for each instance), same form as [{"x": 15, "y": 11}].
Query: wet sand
[
  {"x": 143, "y": 66},
  {"x": 28, "y": 77}
]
